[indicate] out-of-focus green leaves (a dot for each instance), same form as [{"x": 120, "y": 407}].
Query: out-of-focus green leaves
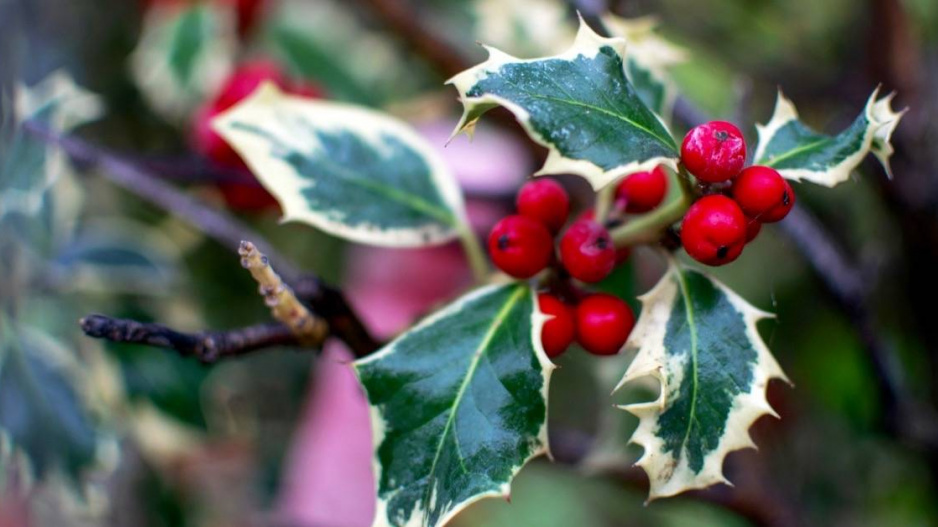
[
  {"x": 184, "y": 52},
  {"x": 170, "y": 382},
  {"x": 41, "y": 410},
  {"x": 326, "y": 42},
  {"x": 550, "y": 496},
  {"x": 117, "y": 256}
]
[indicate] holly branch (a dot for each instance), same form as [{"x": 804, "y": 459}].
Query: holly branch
[{"x": 323, "y": 300}]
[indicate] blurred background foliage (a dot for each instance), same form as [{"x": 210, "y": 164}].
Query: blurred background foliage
[{"x": 162, "y": 440}]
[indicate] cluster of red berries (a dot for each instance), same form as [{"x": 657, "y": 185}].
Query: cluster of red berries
[
  {"x": 522, "y": 245},
  {"x": 717, "y": 226}
]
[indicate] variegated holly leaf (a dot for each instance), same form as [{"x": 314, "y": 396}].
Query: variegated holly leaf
[
  {"x": 29, "y": 166},
  {"x": 459, "y": 405},
  {"x": 648, "y": 60},
  {"x": 801, "y": 154},
  {"x": 185, "y": 50},
  {"x": 42, "y": 413},
  {"x": 700, "y": 341},
  {"x": 578, "y": 104},
  {"x": 350, "y": 171}
]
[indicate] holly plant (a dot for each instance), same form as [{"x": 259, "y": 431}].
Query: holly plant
[{"x": 459, "y": 401}]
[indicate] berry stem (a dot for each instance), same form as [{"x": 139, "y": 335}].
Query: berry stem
[
  {"x": 604, "y": 199},
  {"x": 475, "y": 255},
  {"x": 649, "y": 227}
]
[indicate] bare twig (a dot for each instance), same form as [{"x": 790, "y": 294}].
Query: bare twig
[{"x": 208, "y": 347}]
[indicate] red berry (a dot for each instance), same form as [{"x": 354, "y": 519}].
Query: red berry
[
  {"x": 603, "y": 324},
  {"x": 714, "y": 151},
  {"x": 763, "y": 194},
  {"x": 241, "y": 83},
  {"x": 546, "y": 201},
  {"x": 558, "y": 332},
  {"x": 643, "y": 191},
  {"x": 246, "y": 78},
  {"x": 520, "y": 246},
  {"x": 714, "y": 230},
  {"x": 587, "y": 252},
  {"x": 752, "y": 229}
]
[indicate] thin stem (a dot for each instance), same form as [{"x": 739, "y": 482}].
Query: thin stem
[
  {"x": 648, "y": 228},
  {"x": 475, "y": 255},
  {"x": 604, "y": 199}
]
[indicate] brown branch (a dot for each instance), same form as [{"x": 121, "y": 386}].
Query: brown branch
[
  {"x": 219, "y": 225},
  {"x": 208, "y": 347}
]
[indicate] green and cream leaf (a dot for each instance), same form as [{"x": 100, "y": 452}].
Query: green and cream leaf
[
  {"x": 802, "y": 154},
  {"x": 350, "y": 171},
  {"x": 579, "y": 104},
  {"x": 459, "y": 405},
  {"x": 43, "y": 410},
  {"x": 184, "y": 52},
  {"x": 700, "y": 341},
  {"x": 29, "y": 167}
]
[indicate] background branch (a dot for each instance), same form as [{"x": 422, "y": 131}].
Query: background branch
[{"x": 208, "y": 347}]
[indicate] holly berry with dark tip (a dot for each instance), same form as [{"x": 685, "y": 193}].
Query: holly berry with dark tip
[
  {"x": 643, "y": 191},
  {"x": 763, "y": 194},
  {"x": 520, "y": 246},
  {"x": 714, "y": 230},
  {"x": 714, "y": 151},
  {"x": 587, "y": 252},
  {"x": 603, "y": 324},
  {"x": 558, "y": 332},
  {"x": 546, "y": 201}
]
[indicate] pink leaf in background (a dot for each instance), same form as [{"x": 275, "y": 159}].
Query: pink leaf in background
[{"x": 329, "y": 479}]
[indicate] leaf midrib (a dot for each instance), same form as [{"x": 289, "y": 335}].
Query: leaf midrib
[
  {"x": 408, "y": 200},
  {"x": 666, "y": 142},
  {"x": 467, "y": 380},
  {"x": 393, "y": 194},
  {"x": 689, "y": 313},
  {"x": 794, "y": 152}
]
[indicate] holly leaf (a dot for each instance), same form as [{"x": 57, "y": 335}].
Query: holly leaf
[
  {"x": 458, "y": 404},
  {"x": 347, "y": 170},
  {"x": 579, "y": 104},
  {"x": 29, "y": 167},
  {"x": 41, "y": 408},
  {"x": 801, "y": 154},
  {"x": 700, "y": 341},
  {"x": 648, "y": 61},
  {"x": 185, "y": 51}
]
